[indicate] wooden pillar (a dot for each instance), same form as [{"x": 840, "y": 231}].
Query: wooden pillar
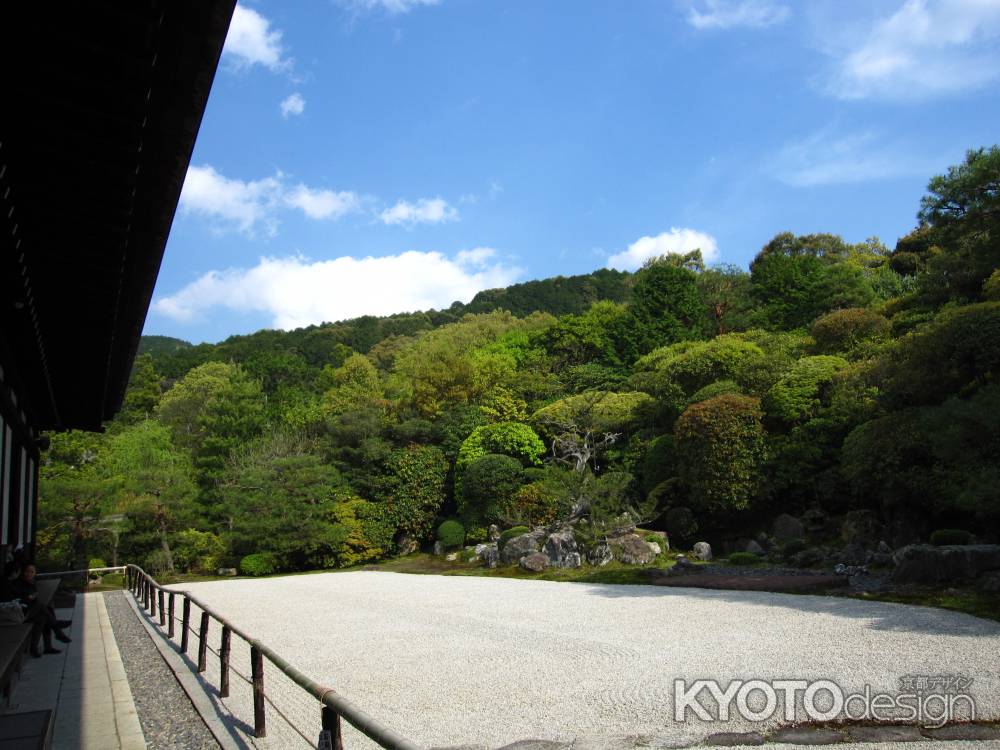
[
  {"x": 203, "y": 642},
  {"x": 331, "y": 723},
  {"x": 163, "y": 610},
  {"x": 170, "y": 617},
  {"x": 224, "y": 647},
  {"x": 185, "y": 625},
  {"x": 152, "y": 601},
  {"x": 257, "y": 674}
]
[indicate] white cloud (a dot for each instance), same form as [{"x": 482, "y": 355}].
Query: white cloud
[
  {"x": 245, "y": 205},
  {"x": 294, "y": 104},
  {"x": 824, "y": 158},
  {"x": 926, "y": 48},
  {"x": 322, "y": 204},
  {"x": 424, "y": 211},
  {"x": 251, "y": 41},
  {"x": 727, "y": 14},
  {"x": 392, "y": 7},
  {"x": 298, "y": 292},
  {"x": 676, "y": 241}
]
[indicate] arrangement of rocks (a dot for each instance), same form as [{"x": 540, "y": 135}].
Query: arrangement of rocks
[{"x": 557, "y": 547}]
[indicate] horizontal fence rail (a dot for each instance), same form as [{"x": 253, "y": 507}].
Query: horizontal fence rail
[{"x": 160, "y": 604}]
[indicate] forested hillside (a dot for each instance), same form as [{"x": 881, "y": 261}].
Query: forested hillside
[{"x": 700, "y": 400}]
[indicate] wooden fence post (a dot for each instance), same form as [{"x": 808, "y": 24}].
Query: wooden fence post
[
  {"x": 257, "y": 674},
  {"x": 185, "y": 622},
  {"x": 203, "y": 642},
  {"x": 163, "y": 610},
  {"x": 152, "y": 602},
  {"x": 331, "y": 723},
  {"x": 224, "y": 647},
  {"x": 170, "y": 621}
]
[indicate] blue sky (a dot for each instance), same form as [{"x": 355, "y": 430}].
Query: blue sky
[{"x": 377, "y": 156}]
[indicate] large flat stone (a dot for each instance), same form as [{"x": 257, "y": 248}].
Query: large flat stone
[
  {"x": 965, "y": 732},
  {"x": 734, "y": 739},
  {"x": 886, "y": 734}
]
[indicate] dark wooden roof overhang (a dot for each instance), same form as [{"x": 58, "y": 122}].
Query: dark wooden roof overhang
[{"x": 101, "y": 105}]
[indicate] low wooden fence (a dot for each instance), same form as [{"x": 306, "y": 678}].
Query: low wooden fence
[{"x": 161, "y": 605}]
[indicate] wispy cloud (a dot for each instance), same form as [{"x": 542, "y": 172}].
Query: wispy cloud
[
  {"x": 252, "y": 41},
  {"x": 293, "y": 104},
  {"x": 926, "y": 48},
  {"x": 727, "y": 14},
  {"x": 392, "y": 7},
  {"x": 828, "y": 158},
  {"x": 246, "y": 205},
  {"x": 298, "y": 292},
  {"x": 424, "y": 211},
  {"x": 676, "y": 241}
]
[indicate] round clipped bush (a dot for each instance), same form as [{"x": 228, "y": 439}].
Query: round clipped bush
[
  {"x": 842, "y": 330},
  {"x": 451, "y": 534},
  {"x": 743, "y": 558},
  {"x": 510, "y": 534},
  {"x": 259, "y": 564},
  {"x": 943, "y": 537},
  {"x": 97, "y": 562}
]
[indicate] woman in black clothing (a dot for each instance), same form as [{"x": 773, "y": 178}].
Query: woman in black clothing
[{"x": 27, "y": 592}]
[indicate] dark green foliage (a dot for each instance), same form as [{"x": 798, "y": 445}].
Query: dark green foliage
[
  {"x": 413, "y": 488},
  {"x": 943, "y": 537},
  {"x": 451, "y": 534},
  {"x": 561, "y": 295},
  {"x": 510, "y": 533},
  {"x": 489, "y": 485},
  {"x": 258, "y": 564},
  {"x": 666, "y": 307},
  {"x": 799, "y": 394},
  {"x": 743, "y": 558}
]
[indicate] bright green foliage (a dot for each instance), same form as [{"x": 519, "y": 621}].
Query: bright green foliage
[
  {"x": 355, "y": 386},
  {"x": 510, "y": 533},
  {"x": 694, "y": 365},
  {"x": 488, "y": 487},
  {"x": 720, "y": 450},
  {"x": 451, "y": 534},
  {"x": 157, "y": 479},
  {"x": 665, "y": 307},
  {"x": 597, "y": 336},
  {"x": 197, "y": 551},
  {"x": 367, "y": 532},
  {"x": 842, "y": 330},
  {"x": 799, "y": 393},
  {"x": 259, "y": 564},
  {"x": 210, "y": 411},
  {"x": 943, "y": 537},
  {"x": 591, "y": 376},
  {"x": 715, "y": 389},
  {"x": 595, "y": 410},
  {"x": 509, "y": 438}
]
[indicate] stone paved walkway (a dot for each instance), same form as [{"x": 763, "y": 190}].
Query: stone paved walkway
[{"x": 85, "y": 684}]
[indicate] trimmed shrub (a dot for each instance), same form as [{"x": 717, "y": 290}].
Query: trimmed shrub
[
  {"x": 942, "y": 537},
  {"x": 535, "y": 505},
  {"x": 451, "y": 534},
  {"x": 488, "y": 489},
  {"x": 800, "y": 392},
  {"x": 259, "y": 564},
  {"x": 97, "y": 562},
  {"x": 510, "y": 534},
  {"x": 720, "y": 452},
  {"x": 743, "y": 558},
  {"x": 842, "y": 330}
]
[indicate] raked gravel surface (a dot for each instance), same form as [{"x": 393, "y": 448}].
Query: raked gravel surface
[{"x": 448, "y": 660}]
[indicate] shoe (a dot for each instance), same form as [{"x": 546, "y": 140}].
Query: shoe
[
  {"x": 63, "y": 623},
  {"x": 50, "y": 650},
  {"x": 62, "y": 637}
]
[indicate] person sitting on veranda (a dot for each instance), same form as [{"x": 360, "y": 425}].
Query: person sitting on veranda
[{"x": 19, "y": 583}]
